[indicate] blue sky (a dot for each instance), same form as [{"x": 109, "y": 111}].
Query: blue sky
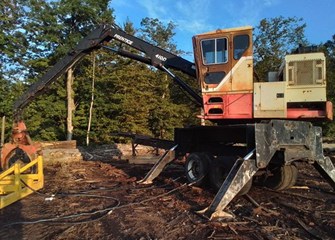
[{"x": 198, "y": 16}]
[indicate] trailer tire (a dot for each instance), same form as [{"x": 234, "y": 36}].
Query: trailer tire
[
  {"x": 282, "y": 178},
  {"x": 219, "y": 172},
  {"x": 197, "y": 168}
]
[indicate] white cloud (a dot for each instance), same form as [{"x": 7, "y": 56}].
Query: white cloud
[
  {"x": 120, "y": 3},
  {"x": 190, "y": 16},
  {"x": 241, "y": 13},
  {"x": 154, "y": 8},
  {"x": 193, "y": 15},
  {"x": 270, "y": 2}
]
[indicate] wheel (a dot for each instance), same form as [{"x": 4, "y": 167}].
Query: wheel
[
  {"x": 197, "y": 168},
  {"x": 294, "y": 178},
  {"x": 219, "y": 172},
  {"x": 282, "y": 177}
]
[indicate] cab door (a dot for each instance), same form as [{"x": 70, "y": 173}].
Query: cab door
[
  {"x": 225, "y": 72},
  {"x": 213, "y": 60}
]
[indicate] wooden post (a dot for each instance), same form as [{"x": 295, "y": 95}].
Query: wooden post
[{"x": 70, "y": 104}]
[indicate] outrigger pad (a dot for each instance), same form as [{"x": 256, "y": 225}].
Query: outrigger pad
[{"x": 219, "y": 214}]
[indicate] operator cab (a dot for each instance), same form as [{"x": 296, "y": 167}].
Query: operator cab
[
  {"x": 225, "y": 71},
  {"x": 224, "y": 64}
]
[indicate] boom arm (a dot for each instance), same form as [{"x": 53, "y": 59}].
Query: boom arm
[{"x": 154, "y": 56}]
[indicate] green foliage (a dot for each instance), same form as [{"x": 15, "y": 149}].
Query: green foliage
[
  {"x": 168, "y": 109},
  {"x": 6, "y": 97},
  {"x": 273, "y": 39},
  {"x": 329, "y": 49},
  {"x": 53, "y": 28},
  {"x": 129, "y": 96},
  {"x": 13, "y": 43},
  {"x": 155, "y": 32}
]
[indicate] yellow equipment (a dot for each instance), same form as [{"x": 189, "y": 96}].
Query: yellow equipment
[{"x": 17, "y": 182}]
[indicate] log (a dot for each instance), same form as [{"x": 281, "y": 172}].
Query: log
[
  {"x": 62, "y": 155},
  {"x": 143, "y": 159},
  {"x": 328, "y": 147},
  {"x": 126, "y": 150},
  {"x": 59, "y": 144}
]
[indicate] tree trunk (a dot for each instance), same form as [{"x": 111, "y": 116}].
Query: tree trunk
[
  {"x": 91, "y": 105},
  {"x": 3, "y": 131},
  {"x": 70, "y": 104}
]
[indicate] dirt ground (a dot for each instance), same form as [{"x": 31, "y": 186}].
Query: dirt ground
[{"x": 98, "y": 198}]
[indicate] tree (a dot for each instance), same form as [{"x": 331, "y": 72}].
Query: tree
[
  {"x": 133, "y": 92},
  {"x": 129, "y": 96},
  {"x": 329, "y": 49},
  {"x": 274, "y": 38},
  {"x": 155, "y": 32},
  {"x": 12, "y": 46},
  {"x": 70, "y": 104},
  {"x": 121, "y": 94},
  {"x": 168, "y": 109},
  {"x": 13, "y": 42},
  {"x": 92, "y": 102},
  {"x": 53, "y": 29},
  {"x": 6, "y": 101},
  {"x": 6, "y": 97}
]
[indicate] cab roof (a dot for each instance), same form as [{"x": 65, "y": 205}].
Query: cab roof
[{"x": 226, "y": 30}]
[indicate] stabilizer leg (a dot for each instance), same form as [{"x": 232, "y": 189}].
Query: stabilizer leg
[
  {"x": 326, "y": 168},
  {"x": 323, "y": 164},
  {"x": 167, "y": 157},
  {"x": 242, "y": 171}
]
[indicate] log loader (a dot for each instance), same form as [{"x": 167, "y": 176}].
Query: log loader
[{"x": 260, "y": 128}]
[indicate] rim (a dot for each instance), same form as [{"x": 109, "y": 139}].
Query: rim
[{"x": 194, "y": 169}]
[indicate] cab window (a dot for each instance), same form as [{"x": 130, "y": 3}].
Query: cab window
[
  {"x": 241, "y": 44},
  {"x": 214, "y": 77},
  {"x": 214, "y": 51}
]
